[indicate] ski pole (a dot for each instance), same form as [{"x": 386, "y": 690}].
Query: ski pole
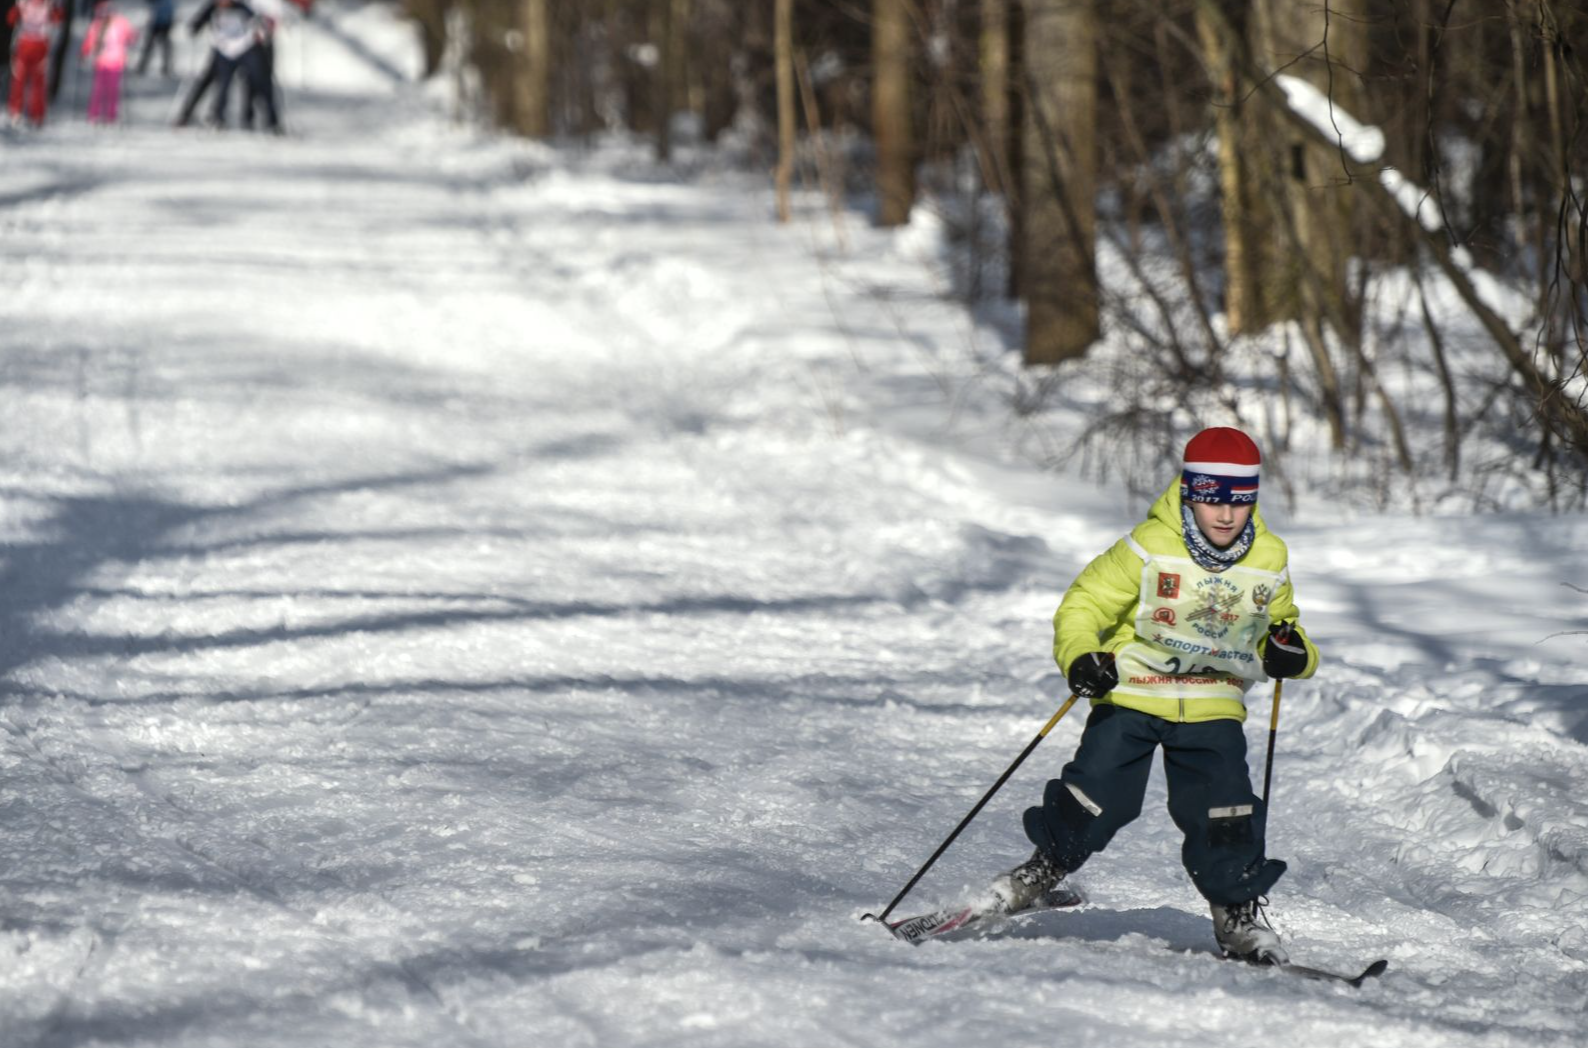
[
  {"x": 1273, "y": 730},
  {"x": 974, "y": 811}
]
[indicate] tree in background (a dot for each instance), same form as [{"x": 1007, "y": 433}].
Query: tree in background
[
  {"x": 1059, "y": 180},
  {"x": 1039, "y": 131},
  {"x": 430, "y": 16},
  {"x": 1245, "y": 163},
  {"x": 1307, "y": 278},
  {"x": 994, "y": 68},
  {"x": 892, "y": 118},
  {"x": 532, "y": 72},
  {"x": 786, "y": 131},
  {"x": 667, "y": 19}
]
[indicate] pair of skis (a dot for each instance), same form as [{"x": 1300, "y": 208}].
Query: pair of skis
[{"x": 943, "y": 923}]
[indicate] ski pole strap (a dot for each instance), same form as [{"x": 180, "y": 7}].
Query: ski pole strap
[{"x": 974, "y": 811}]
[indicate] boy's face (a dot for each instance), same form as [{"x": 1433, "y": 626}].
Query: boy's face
[{"x": 1221, "y": 522}]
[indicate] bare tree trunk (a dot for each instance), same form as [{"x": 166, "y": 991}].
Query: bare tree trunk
[
  {"x": 1060, "y": 179},
  {"x": 681, "y": 92},
  {"x": 1245, "y": 165},
  {"x": 1325, "y": 44},
  {"x": 995, "y": 92},
  {"x": 666, "y": 72},
  {"x": 431, "y": 17},
  {"x": 996, "y": 69},
  {"x": 756, "y": 72},
  {"x": 532, "y": 75},
  {"x": 1522, "y": 147},
  {"x": 1015, "y": 189},
  {"x": 1566, "y": 304},
  {"x": 722, "y": 51},
  {"x": 1554, "y": 111},
  {"x": 1447, "y": 383},
  {"x": 988, "y": 131},
  {"x": 587, "y": 72},
  {"x": 890, "y": 49},
  {"x": 488, "y": 25},
  {"x": 783, "y": 46}
]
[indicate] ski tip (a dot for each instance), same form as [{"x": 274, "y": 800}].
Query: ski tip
[
  {"x": 1373, "y": 971},
  {"x": 891, "y": 927}
]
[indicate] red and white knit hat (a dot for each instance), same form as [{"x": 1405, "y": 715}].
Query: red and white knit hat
[{"x": 1220, "y": 466}]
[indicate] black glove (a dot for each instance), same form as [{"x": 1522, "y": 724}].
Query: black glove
[
  {"x": 1285, "y": 654},
  {"x": 1093, "y": 675}
]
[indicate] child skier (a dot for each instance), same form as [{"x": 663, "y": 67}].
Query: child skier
[
  {"x": 110, "y": 37},
  {"x": 35, "y": 22},
  {"x": 1164, "y": 633}
]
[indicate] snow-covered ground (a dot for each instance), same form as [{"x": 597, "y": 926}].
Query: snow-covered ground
[{"x": 457, "y": 592}]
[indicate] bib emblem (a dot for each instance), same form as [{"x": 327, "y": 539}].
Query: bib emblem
[{"x": 1215, "y": 599}]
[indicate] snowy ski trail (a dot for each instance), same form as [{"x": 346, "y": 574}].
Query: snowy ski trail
[{"x": 459, "y": 592}]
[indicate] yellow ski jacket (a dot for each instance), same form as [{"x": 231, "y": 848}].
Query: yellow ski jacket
[{"x": 1187, "y": 642}]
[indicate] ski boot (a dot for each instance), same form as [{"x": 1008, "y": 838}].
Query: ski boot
[
  {"x": 1244, "y": 934},
  {"x": 1026, "y": 883}
]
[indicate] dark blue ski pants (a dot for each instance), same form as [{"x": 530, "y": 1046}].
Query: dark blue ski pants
[{"x": 1210, "y": 798}]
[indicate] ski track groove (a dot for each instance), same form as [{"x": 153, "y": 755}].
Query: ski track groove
[
  {"x": 53, "y": 1022},
  {"x": 24, "y": 744},
  {"x": 400, "y": 969}
]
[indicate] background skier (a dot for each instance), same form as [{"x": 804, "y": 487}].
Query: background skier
[
  {"x": 110, "y": 36},
  {"x": 35, "y": 22},
  {"x": 162, "y": 15},
  {"x": 1164, "y": 633},
  {"x": 234, "y": 40},
  {"x": 270, "y": 13}
]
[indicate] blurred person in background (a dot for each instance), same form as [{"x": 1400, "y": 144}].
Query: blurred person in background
[
  {"x": 270, "y": 13},
  {"x": 234, "y": 28},
  {"x": 162, "y": 16},
  {"x": 110, "y": 36},
  {"x": 34, "y": 22}
]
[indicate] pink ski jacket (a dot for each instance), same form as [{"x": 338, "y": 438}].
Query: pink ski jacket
[{"x": 112, "y": 35}]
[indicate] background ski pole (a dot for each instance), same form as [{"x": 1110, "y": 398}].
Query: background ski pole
[
  {"x": 974, "y": 811},
  {"x": 1273, "y": 731}
]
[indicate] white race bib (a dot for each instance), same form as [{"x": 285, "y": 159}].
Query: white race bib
[{"x": 1196, "y": 630}]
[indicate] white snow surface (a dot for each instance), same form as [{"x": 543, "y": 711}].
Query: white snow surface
[{"x": 460, "y": 592}]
